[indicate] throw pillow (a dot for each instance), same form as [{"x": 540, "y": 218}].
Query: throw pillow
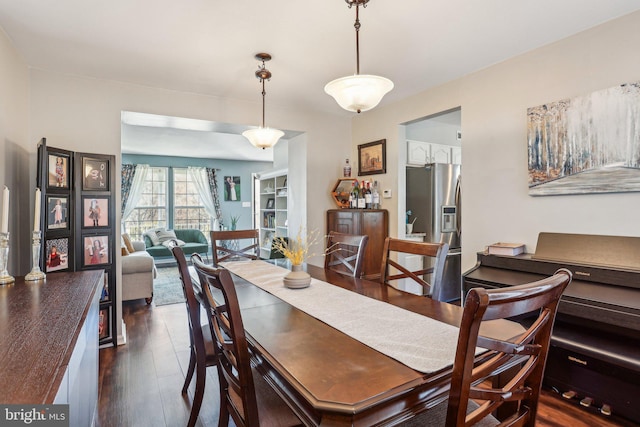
[
  {"x": 153, "y": 235},
  {"x": 164, "y": 235},
  {"x": 123, "y": 247},
  {"x": 127, "y": 243},
  {"x": 171, "y": 242}
]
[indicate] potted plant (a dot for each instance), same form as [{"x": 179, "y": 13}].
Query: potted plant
[{"x": 234, "y": 221}]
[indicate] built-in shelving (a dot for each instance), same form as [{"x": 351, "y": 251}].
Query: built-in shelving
[{"x": 272, "y": 220}]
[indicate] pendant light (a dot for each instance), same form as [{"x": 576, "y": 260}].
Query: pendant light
[
  {"x": 263, "y": 137},
  {"x": 360, "y": 92}
]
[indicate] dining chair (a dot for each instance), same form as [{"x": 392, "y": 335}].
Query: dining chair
[
  {"x": 519, "y": 361},
  {"x": 345, "y": 253},
  {"x": 202, "y": 350},
  {"x": 392, "y": 269},
  {"x": 244, "y": 394},
  {"x": 225, "y": 245}
]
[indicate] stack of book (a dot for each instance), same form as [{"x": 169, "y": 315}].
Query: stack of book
[{"x": 509, "y": 249}]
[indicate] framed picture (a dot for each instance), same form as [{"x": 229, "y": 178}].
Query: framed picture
[
  {"x": 57, "y": 253},
  {"x": 58, "y": 167},
  {"x": 231, "y": 188},
  {"x": 95, "y": 212},
  {"x": 104, "y": 320},
  {"x": 96, "y": 250},
  {"x": 104, "y": 296},
  {"x": 57, "y": 212},
  {"x": 372, "y": 158},
  {"x": 271, "y": 203},
  {"x": 95, "y": 174}
]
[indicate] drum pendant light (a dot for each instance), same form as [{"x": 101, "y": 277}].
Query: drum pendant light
[
  {"x": 360, "y": 92},
  {"x": 263, "y": 137}
]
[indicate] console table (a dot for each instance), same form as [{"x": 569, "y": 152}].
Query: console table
[{"x": 49, "y": 342}]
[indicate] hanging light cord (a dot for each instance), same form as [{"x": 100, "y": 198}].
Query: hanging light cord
[
  {"x": 263, "y": 94},
  {"x": 356, "y": 25},
  {"x": 263, "y": 74}
]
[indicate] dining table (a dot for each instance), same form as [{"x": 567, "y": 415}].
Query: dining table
[{"x": 330, "y": 378}]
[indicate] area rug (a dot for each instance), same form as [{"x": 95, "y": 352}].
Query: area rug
[{"x": 167, "y": 288}]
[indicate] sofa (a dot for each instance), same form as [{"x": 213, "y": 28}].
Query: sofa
[
  {"x": 138, "y": 272},
  {"x": 191, "y": 241}
]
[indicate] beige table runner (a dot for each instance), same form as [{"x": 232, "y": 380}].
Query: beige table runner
[{"x": 422, "y": 343}]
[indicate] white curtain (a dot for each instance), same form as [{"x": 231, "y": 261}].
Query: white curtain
[
  {"x": 200, "y": 179},
  {"x": 139, "y": 178}
]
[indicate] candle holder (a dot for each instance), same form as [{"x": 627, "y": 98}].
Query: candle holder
[
  {"x": 5, "y": 278},
  {"x": 35, "y": 273}
]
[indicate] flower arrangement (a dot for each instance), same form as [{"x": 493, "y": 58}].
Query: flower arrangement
[{"x": 296, "y": 250}]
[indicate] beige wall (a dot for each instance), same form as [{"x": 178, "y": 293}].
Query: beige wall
[
  {"x": 82, "y": 114},
  {"x": 15, "y": 154},
  {"x": 495, "y": 202}
]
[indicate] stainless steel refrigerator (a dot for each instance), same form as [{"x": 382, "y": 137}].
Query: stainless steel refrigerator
[{"x": 433, "y": 197}]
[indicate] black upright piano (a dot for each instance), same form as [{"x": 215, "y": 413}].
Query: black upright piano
[{"x": 594, "y": 359}]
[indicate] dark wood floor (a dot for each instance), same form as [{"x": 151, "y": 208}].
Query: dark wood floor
[{"x": 140, "y": 382}]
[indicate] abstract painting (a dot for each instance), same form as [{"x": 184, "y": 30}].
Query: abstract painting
[{"x": 588, "y": 144}]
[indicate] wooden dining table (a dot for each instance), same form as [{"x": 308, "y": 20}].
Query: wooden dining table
[{"x": 329, "y": 378}]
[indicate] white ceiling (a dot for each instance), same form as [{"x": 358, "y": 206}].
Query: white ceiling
[{"x": 208, "y": 46}]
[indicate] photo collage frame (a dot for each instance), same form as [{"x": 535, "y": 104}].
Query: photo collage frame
[{"x": 77, "y": 221}]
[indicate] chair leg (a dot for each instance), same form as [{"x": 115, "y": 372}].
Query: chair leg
[
  {"x": 201, "y": 372},
  {"x": 190, "y": 370}
]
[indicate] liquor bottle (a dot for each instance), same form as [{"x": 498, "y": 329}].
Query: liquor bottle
[
  {"x": 355, "y": 193},
  {"x": 346, "y": 169},
  {"x": 368, "y": 199},
  {"x": 375, "y": 196},
  {"x": 352, "y": 200},
  {"x": 361, "y": 201}
]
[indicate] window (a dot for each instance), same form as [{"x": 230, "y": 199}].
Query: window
[
  {"x": 151, "y": 210},
  {"x": 188, "y": 211}
]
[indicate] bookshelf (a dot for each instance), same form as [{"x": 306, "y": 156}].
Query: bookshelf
[{"x": 272, "y": 219}]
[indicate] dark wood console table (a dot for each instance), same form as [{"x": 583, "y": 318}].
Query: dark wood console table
[{"x": 49, "y": 342}]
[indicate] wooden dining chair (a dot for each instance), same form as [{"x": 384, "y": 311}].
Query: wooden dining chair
[
  {"x": 520, "y": 361},
  {"x": 244, "y": 394},
  {"x": 225, "y": 245},
  {"x": 345, "y": 253},
  {"x": 202, "y": 350},
  {"x": 392, "y": 270}
]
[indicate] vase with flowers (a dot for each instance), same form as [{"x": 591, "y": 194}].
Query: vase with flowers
[{"x": 296, "y": 250}]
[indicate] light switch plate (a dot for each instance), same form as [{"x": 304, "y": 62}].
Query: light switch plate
[
  {"x": 246, "y": 204},
  {"x": 386, "y": 194}
]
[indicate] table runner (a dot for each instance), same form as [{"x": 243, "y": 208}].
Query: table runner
[{"x": 420, "y": 342}]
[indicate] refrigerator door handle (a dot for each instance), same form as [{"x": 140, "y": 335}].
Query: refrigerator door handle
[{"x": 458, "y": 212}]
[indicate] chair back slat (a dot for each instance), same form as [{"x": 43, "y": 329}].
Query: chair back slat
[
  {"x": 522, "y": 358},
  {"x": 227, "y": 329},
  {"x": 225, "y": 245},
  {"x": 345, "y": 253},
  {"x": 434, "y": 254},
  {"x": 193, "y": 306}
]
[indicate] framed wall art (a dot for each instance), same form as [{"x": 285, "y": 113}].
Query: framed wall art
[
  {"x": 372, "y": 158},
  {"x": 95, "y": 212},
  {"x": 586, "y": 144},
  {"x": 96, "y": 250},
  {"x": 231, "y": 188},
  {"x": 57, "y": 212},
  {"x": 95, "y": 174},
  {"x": 58, "y": 170},
  {"x": 57, "y": 254}
]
